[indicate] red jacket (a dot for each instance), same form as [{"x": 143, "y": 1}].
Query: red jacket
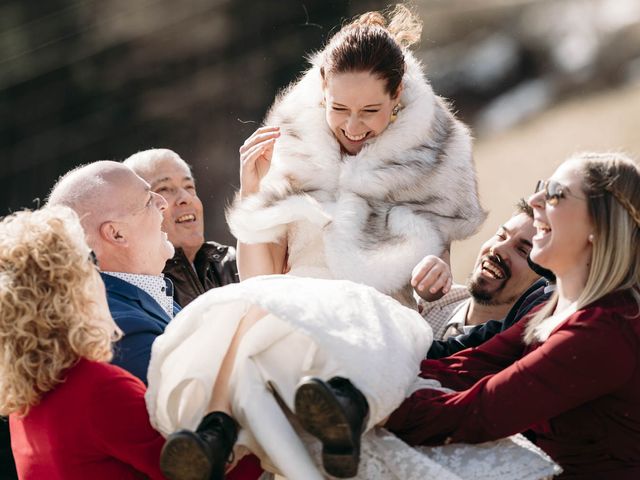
[
  {"x": 579, "y": 391},
  {"x": 94, "y": 426}
]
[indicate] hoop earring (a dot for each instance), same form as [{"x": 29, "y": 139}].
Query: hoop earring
[{"x": 395, "y": 111}]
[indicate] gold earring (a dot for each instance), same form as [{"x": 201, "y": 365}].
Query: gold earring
[
  {"x": 395, "y": 111},
  {"x": 322, "y": 103}
]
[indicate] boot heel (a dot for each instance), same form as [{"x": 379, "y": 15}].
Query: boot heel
[
  {"x": 336, "y": 413},
  {"x": 203, "y": 454},
  {"x": 183, "y": 457},
  {"x": 342, "y": 464}
]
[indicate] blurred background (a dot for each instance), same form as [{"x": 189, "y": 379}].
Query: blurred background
[{"x": 84, "y": 80}]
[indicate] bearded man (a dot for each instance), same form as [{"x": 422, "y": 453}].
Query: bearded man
[{"x": 500, "y": 276}]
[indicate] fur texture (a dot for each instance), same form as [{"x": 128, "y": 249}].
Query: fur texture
[{"x": 408, "y": 193}]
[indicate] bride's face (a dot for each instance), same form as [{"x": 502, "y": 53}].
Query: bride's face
[{"x": 357, "y": 108}]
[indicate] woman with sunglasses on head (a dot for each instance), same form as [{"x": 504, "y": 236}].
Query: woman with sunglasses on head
[
  {"x": 72, "y": 414},
  {"x": 570, "y": 372}
]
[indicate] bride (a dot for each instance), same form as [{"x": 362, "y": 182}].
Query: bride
[{"x": 360, "y": 173}]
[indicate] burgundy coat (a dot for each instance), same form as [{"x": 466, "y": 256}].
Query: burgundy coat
[{"x": 579, "y": 391}]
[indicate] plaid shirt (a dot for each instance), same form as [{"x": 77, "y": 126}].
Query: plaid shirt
[{"x": 439, "y": 312}]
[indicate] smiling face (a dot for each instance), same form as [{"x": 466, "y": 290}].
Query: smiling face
[
  {"x": 357, "y": 108},
  {"x": 183, "y": 217},
  {"x": 501, "y": 273},
  {"x": 562, "y": 230},
  {"x": 147, "y": 245}
]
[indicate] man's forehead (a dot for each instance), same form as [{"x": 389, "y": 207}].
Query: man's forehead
[
  {"x": 132, "y": 191},
  {"x": 168, "y": 169},
  {"x": 130, "y": 180},
  {"x": 521, "y": 223}
]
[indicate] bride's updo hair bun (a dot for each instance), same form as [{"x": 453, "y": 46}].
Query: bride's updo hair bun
[
  {"x": 372, "y": 18},
  {"x": 404, "y": 26},
  {"x": 371, "y": 44}
]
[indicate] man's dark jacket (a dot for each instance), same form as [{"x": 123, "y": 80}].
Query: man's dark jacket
[
  {"x": 535, "y": 295},
  {"x": 215, "y": 266}
]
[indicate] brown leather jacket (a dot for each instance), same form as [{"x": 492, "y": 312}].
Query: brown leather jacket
[{"x": 215, "y": 266}]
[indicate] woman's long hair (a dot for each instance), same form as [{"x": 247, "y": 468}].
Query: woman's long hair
[
  {"x": 47, "y": 310},
  {"x": 611, "y": 183}
]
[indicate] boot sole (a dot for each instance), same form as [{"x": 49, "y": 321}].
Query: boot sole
[
  {"x": 184, "y": 458},
  {"x": 321, "y": 415}
]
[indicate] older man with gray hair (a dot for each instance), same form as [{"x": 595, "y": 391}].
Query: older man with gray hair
[
  {"x": 197, "y": 266},
  {"x": 122, "y": 221}
]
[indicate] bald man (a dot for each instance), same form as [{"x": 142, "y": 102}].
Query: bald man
[
  {"x": 122, "y": 220},
  {"x": 197, "y": 266}
]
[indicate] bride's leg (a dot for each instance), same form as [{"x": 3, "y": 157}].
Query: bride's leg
[
  {"x": 203, "y": 454},
  {"x": 220, "y": 396},
  {"x": 255, "y": 404}
]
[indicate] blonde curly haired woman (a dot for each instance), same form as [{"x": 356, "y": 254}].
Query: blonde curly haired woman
[{"x": 72, "y": 415}]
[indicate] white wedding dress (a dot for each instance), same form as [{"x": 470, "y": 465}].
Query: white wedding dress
[{"x": 321, "y": 327}]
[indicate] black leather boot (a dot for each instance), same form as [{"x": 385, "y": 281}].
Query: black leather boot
[
  {"x": 336, "y": 413},
  {"x": 203, "y": 454}
]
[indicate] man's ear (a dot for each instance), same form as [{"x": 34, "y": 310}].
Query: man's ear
[{"x": 112, "y": 232}]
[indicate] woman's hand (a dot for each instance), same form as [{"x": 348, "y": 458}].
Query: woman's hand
[
  {"x": 255, "y": 158},
  {"x": 431, "y": 278}
]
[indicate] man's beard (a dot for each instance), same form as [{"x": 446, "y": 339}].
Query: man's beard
[
  {"x": 490, "y": 298},
  {"x": 482, "y": 296}
]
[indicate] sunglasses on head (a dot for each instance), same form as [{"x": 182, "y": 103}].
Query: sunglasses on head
[{"x": 553, "y": 191}]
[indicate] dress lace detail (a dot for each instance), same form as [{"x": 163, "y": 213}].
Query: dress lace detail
[
  {"x": 506, "y": 459},
  {"x": 384, "y": 456}
]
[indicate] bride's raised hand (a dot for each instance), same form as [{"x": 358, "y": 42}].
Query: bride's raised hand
[
  {"x": 432, "y": 278},
  {"x": 255, "y": 158}
]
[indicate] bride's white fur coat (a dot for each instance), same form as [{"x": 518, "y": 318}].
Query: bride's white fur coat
[{"x": 408, "y": 193}]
